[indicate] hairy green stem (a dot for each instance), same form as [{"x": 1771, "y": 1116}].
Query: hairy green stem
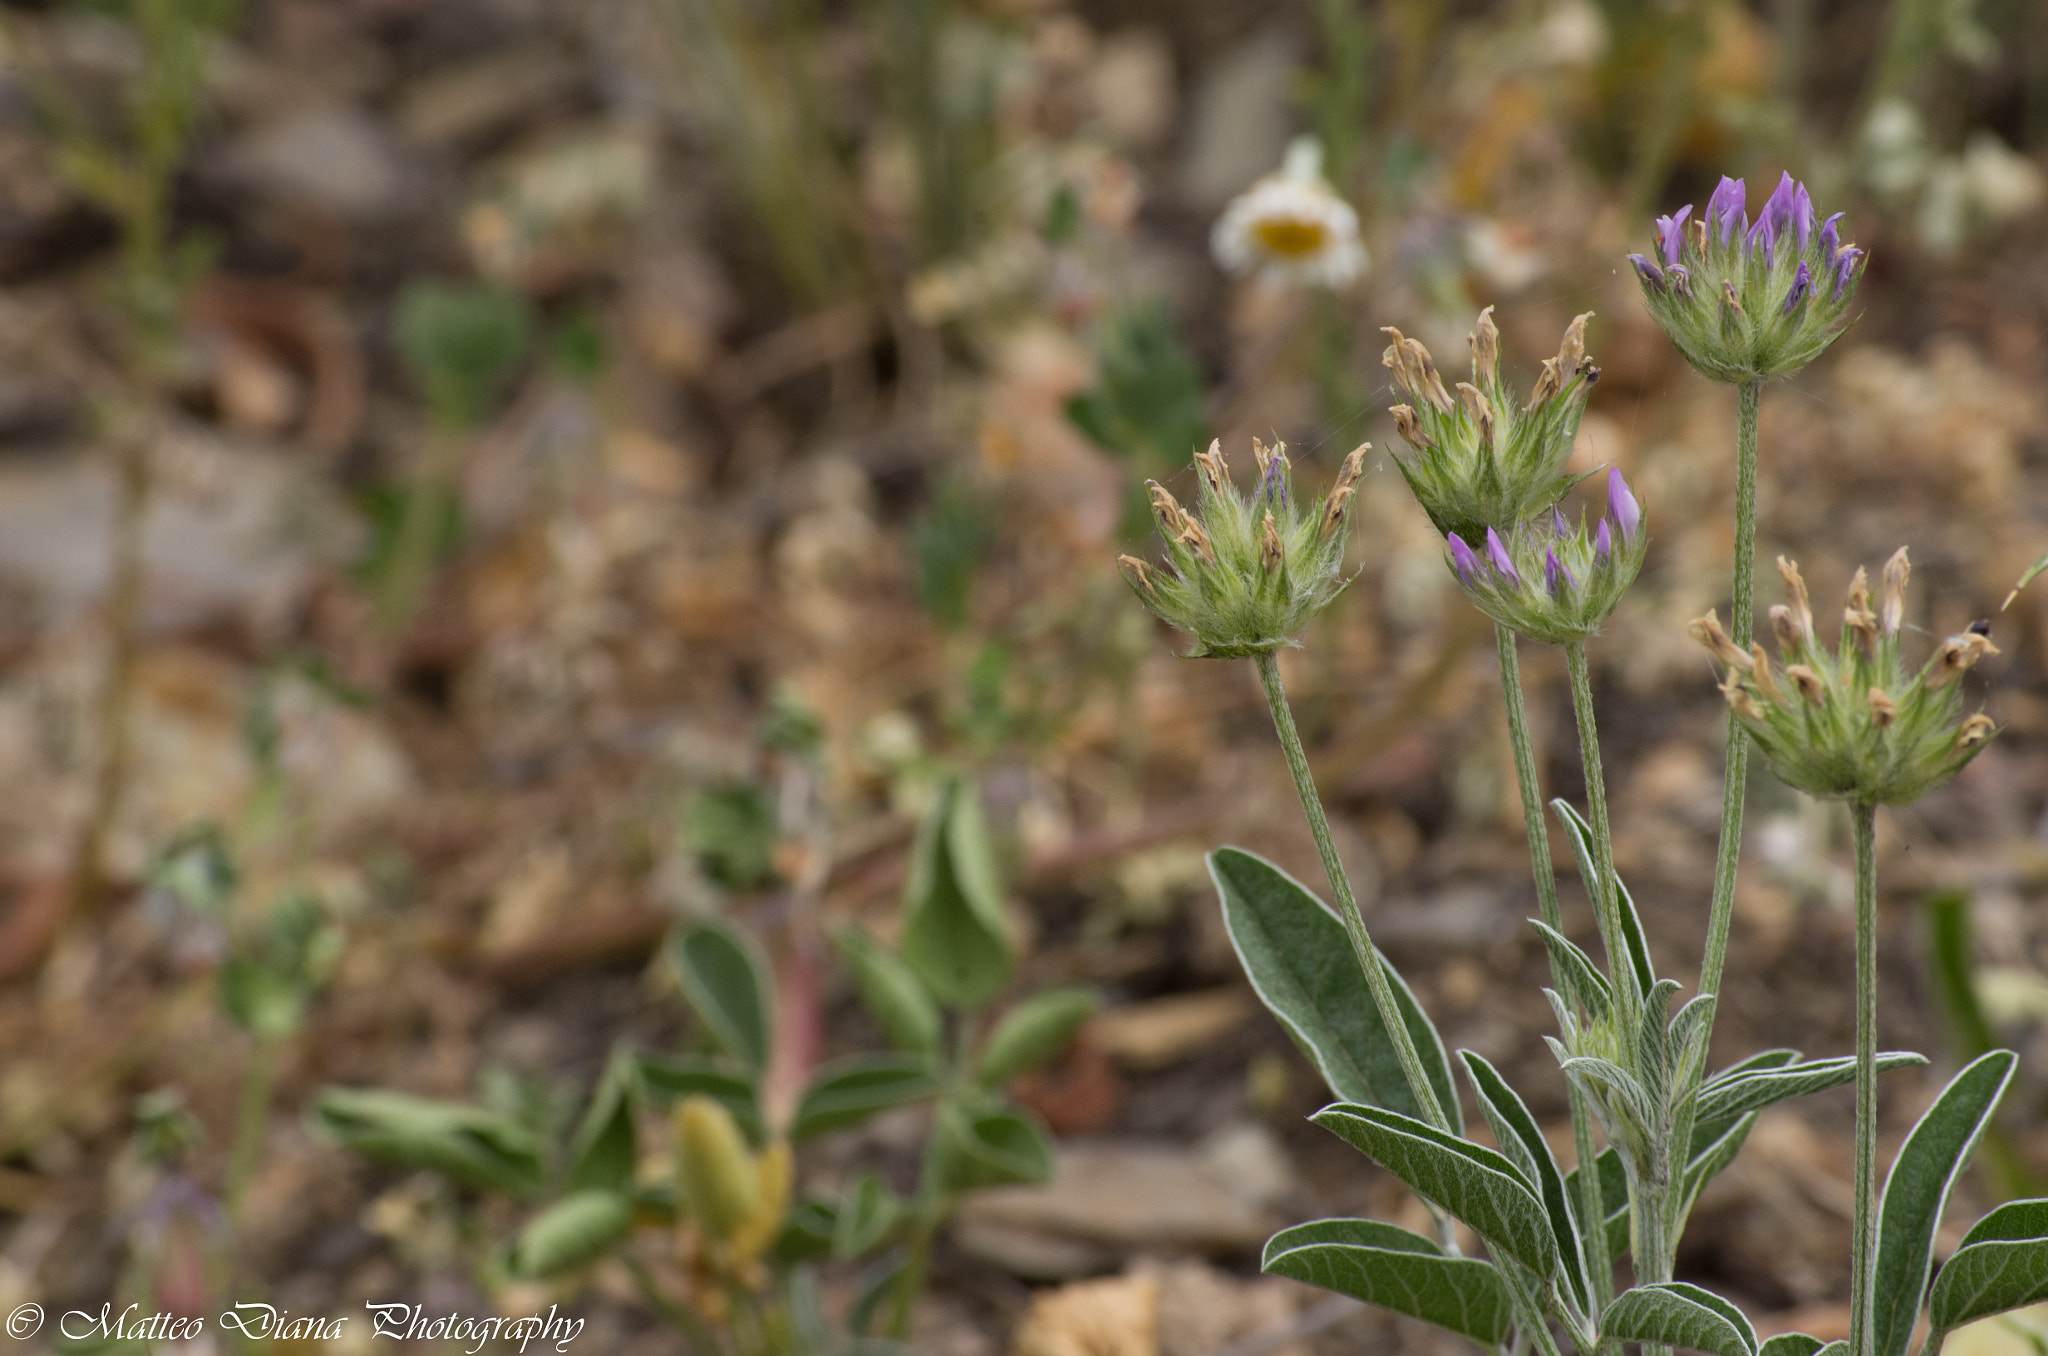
[
  {"x": 1863, "y": 1246},
  {"x": 1739, "y": 625},
  {"x": 1592, "y": 1208},
  {"x": 1347, "y": 906},
  {"x": 1606, "y": 901}
]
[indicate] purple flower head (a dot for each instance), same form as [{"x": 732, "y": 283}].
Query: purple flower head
[
  {"x": 1497, "y": 553},
  {"x": 1462, "y": 559},
  {"x": 1603, "y": 542},
  {"x": 1802, "y": 284},
  {"x": 1649, "y": 272},
  {"x": 1830, "y": 241},
  {"x": 1845, "y": 269},
  {"x": 1724, "y": 209},
  {"x": 1780, "y": 217},
  {"x": 1670, "y": 233},
  {"x": 1556, "y": 577},
  {"x": 1628, "y": 515}
]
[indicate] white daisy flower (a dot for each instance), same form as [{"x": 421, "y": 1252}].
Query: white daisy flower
[{"x": 1291, "y": 227}]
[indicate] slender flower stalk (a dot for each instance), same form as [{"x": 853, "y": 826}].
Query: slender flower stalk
[
  {"x": 1741, "y": 615},
  {"x": 1863, "y": 1244},
  {"x": 1347, "y": 905}
]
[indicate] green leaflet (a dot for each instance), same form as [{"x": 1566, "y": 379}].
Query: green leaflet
[
  {"x": 726, "y": 983},
  {"x": 1677, "y": 1314},
  {"x": 1395, "y": 1269},
  {"x": 1790, "y": 1344},
  {"x": 1583, "y": 983},
  {"x": 477, "y": 1148},
  {"x": 1734, "y": 1091},
  {"x": 1580, "y": 835},
  {"x": 1714, "y": 1154},
  {"x": 1300, "y": 962},
  {"x": 604, "y": 1150},
  {"x": 2002, "y": 1264},
  {"x": 1034, "y": 1031},
  {"x": 890, "y": 991},
  {"x": 1478, "y": 1185},
  {"x": 954, "y": 934},
  {"x": 850, "y": 1090},
  {"x": 1916, "y": 1189},
  {"x": 670, "y": 1078},
  {"x": 579, "y": 1228},
  {"x": 1613, "y": 1198},
  {"x": 1514, "y": 1129},
  {"x": 867, "y": 1213},
  {"x": 994, "y": 1148}
]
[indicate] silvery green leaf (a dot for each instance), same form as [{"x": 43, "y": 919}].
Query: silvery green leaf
[
  {"x": 1580, "y": 835},
  {"x": 1575, "y": 971},
  {"x": 1300, "y": 962},
  {"x": 669, "y": 1078},
  {"x": 1613, "y": 1197},
  {"x": 868, "y": 1211},
  {"x": 1916, "y": 1189},
  {"x": 807, "y": 1232},
  {"x": 849, "y": 1091},
  {"x": 1715, "y": 1154},
  {"x": 1689, "y": 1032},
  {"x": 1395, "y": 1269},
  {"x": 1514, "y": 1129},
  {"x": 1678, "y": 1314},
  {"x": 1731, "y": 1093},
  {"x": 1653, "y": 1038},
  {"x": 475, "y": 1147},
  {"x": 579, "y": 1228},
  {"x": 725, "y": 981},
  {"x": 892, "y": 994},
  {"x": 1790, "y": 1344},
  {"x": 1478, "y": 1185},
  {"x": 1763, "y": 1059},
  {"x": 955, "y": 935},
  {"x": 992, "y": 1148},
  {"x": 605, "y": 1149},
  {"x": 1034, "y": 1031},
  {"x": 2002, "y": 1264},
  {"x": 1619, "y": 1085}
]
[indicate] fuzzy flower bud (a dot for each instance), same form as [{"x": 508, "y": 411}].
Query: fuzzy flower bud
[
  {"x": 1246, "y": 571},
  {"x": 1487, "y": 458},
  {"x": 1548, "y": 580},
  {"x": 1747, "y": 301},
  {"x": 1855, "y": 724}
]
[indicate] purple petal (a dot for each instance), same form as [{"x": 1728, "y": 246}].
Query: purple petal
[
  {"x": 1802, "y": 215},
  {"x": 1603, "y": 542},
  {"x": 1781, "y": 206},
  {"x": 1680, "y": 279},
  {"x": 1670, "y": 233},
  {"x": 1497, "y": 553},
  {"x": 1555, "y": 576},
  {"x": 1628, "y": 515},
  {"x": 1462, "y": 559},
  {"x": 1845, "y": 268},
  {"x": 1652, "y": 276},
  {"x": 1830, "y": 241},
  {"x": 1557, "y": 523},
  {"x": 1802, "y": 283},
  {"x": 1725, "y": 207},
  {"x": 1763, "y": 233}
]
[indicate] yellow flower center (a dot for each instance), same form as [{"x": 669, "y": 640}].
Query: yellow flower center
[{"x": 1291, "y": 237}]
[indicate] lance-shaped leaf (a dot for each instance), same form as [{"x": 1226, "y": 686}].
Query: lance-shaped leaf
[
  {"x": 890, "y": 991},
  {"x": 579, "y": 1228},
  {"x": 475, "y": 1147},
  {"x": 1791, "y": 1344},
  {"x": 604, "y": 1150},
  {"x": 1514, "y": 1129},
  {"x": 851, "y": 1090},
  {"x": 1730, "y": 1093},
  {"x": 1034, "y": 1031},
  {"x": 670, "y": 1078},
  {"x": 1916, "y": 1190},
  {"x": 1711, "y": 1155},
  {"x": 1300, "y": 961},
  {"x": 1580, "y": 835},
  {"x": 726, "y": 983},
  {"x": 1576, "y": 973},
  {"x": 1677, "y": 1314},
  {"x": 1395, "y": 1269},
  {"x": 2002, "y": 1264},
  {"x": 1613, "y": 1197},
  {"x": 994, "y": 1148},
  {"x": 954, "y": 933},
  {"x": 1478, "y": 1185}
]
